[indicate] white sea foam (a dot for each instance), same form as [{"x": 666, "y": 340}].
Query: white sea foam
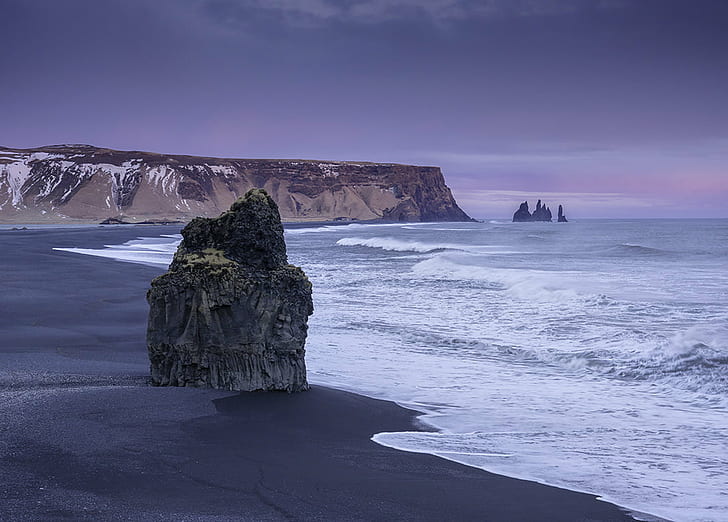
[
  {"x": 395, "y": 245},
  {"x": 695, "y": 359},
  {"x": 529, "y": 284},
  {"x": 431, "y": 228},
  {"x": 591, "y": 364},
  {"x": 146, "y": 251}
]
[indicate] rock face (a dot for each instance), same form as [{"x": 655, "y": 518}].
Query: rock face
[
  {"x": 562, "y": 217},
  {"x": 68, "y": 183},
  {"x": 522, "y": 214},
  {"x": 231, "y": 312},
  {"x": 540, "y": 213}
]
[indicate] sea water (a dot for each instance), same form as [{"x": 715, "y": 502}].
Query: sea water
[{"x": 589, "y": 355}]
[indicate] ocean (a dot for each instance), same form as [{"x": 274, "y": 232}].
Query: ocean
[{"x": 590, "y": 355}]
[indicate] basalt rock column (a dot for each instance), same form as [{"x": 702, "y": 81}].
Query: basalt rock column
[
  {"x": 522, "y": 214},
  {"x": 542, "y": 212},
  {"x": 562, "y": 217},
  {"x": 231, "y": 312}
]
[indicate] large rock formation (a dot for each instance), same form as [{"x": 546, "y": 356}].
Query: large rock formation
[
  {"x": 231, "y": 312},
  {"x": 81, "y": 183},
  {"x": 522, "y": 214},
  {"x": 540, "y": 213}
]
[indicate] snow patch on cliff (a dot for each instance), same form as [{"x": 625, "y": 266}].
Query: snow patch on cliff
[
  {"x": 164, "y": 177},
  {"x": 15, "y": 175},
  {"x": 223, "y": 170},
  {"x": 329, "y": 169}
]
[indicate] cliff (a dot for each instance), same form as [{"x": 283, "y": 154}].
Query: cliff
[
  {"x": 231, "y": 312},
  {"x": 81, "y": 183}
]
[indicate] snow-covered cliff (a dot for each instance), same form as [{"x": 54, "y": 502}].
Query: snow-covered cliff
[{"x": 81, "y": 183}]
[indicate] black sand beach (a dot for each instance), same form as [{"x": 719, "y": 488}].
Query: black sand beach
[{"x": 82, "y": 436}]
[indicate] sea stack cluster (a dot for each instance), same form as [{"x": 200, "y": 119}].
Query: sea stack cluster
[
  {"x": 231, "y": 313},
  {"x": 540, "y": 213}
]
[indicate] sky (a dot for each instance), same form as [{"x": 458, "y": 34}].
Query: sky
[{"x": 613, "y": 108}]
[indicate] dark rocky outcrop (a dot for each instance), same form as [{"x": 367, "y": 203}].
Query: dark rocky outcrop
[
  {"x": 522, "y": 214},
  {"x": 114, "y": 221},
  {"x": 540, "y": 213},
  {"x": 67, "y": 183},
  {"x": 231, "y": 312},
  {"x": 122, "y": 221},
  {"x": 562, "y": 217}
]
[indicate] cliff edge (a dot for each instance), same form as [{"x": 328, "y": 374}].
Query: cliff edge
[{"x": 81, "y": 183}]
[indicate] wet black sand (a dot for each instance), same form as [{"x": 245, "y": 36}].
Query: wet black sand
[{"x": 83, "y": 437}]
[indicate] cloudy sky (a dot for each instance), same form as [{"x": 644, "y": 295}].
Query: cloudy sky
[{"x": 615, "y": 108}]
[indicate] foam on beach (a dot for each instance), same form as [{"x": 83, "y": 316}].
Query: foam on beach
[
  {"x": 147, "y": 251},
  {"x": 591, "y": 356}
]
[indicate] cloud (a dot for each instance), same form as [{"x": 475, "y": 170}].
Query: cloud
[
  {"x": 666, "y": 179},
  {"x": 526, "y": 157},
  {"x": 502, "y": 203},
  {"x": 289, "y": 9},
  {"x": 306, "y": 12},
  {"x": 660, "y": 155},
  {"x": 601, "y": 199}
]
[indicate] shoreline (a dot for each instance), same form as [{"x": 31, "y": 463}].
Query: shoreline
[
  {"x": 299, "y": 223},
  {"x": 288, "y": 225},
  {"x": 94, "y": 443}
]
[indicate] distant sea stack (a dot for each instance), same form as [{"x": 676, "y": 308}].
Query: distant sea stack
[
  {"x": 231, "y": 313},
  {"x": 81, "y": 183},
  {"x": 562, "y": 217},
  {"x": 540, "y": 213}
]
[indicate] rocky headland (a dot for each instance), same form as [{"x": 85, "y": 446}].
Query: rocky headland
[
  {"x": 81, "y": 183},
  {"x": 231, "y": 312},
  {"x": 540, "y": 213}
]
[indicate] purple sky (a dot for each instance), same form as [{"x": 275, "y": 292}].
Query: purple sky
[{"x": 613, "y": 108}]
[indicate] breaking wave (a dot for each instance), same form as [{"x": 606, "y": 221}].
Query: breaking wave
[
  {"x": 396, "y": 245},
  {"x": 525, "y": 283},
  {"x": 632, "y": 249},
  {"x": 695, "y": 359}
]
